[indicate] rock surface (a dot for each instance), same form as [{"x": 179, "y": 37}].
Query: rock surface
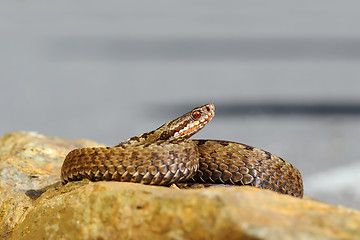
[{"x": 35, "y": 205}]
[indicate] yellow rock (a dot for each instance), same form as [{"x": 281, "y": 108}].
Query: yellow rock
[{"x": 114, "y": 210}]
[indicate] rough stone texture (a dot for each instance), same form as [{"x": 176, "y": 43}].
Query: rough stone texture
[
  {"x": 32, "y": 160},
  {"x": 28, "y": 161},
  {"x": 112, "y": 210}
]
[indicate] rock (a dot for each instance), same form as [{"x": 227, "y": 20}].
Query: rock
[
  {"x": 42, "y": 208},
  {"x": 13, "y": 207},
  {"x": 32, "y": 160},
  {"x": 28, "y": 161}
]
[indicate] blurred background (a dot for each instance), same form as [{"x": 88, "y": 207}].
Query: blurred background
[{"x": 284, "y": 76}]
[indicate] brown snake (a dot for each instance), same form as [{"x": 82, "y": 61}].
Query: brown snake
[{"x": 166, "y": 155}]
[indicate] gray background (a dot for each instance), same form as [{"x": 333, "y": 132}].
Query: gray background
[{"x": 284, "y": 76}]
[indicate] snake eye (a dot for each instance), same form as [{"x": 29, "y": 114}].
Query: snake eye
[{"x": 196, "y": 114}]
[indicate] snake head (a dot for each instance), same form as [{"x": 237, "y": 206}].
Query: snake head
[
  {"x": 182, "y": 127},
  {"x": 189, "y": 123}
]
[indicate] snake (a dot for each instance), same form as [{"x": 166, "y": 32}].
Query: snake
[{"x": 167, "y": 156}]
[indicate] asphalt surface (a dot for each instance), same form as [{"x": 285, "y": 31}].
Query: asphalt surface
[{"x": 284, "y": 76}]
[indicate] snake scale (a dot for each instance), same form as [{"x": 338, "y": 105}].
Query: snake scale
[{"x": 167, "y": 155}]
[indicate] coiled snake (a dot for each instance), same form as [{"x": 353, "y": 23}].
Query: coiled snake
[{"x": 166, "y": 155}]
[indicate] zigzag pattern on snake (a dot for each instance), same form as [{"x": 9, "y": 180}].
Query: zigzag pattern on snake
[{"x": 167, "y": 155}]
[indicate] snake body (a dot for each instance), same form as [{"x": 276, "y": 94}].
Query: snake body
[{"x": 167, "y": 155}]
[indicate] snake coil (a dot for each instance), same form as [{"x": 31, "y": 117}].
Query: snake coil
[{"x": 167, "y": 155}]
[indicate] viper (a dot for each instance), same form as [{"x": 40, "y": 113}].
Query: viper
[{"x": 166, "y": 155}]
